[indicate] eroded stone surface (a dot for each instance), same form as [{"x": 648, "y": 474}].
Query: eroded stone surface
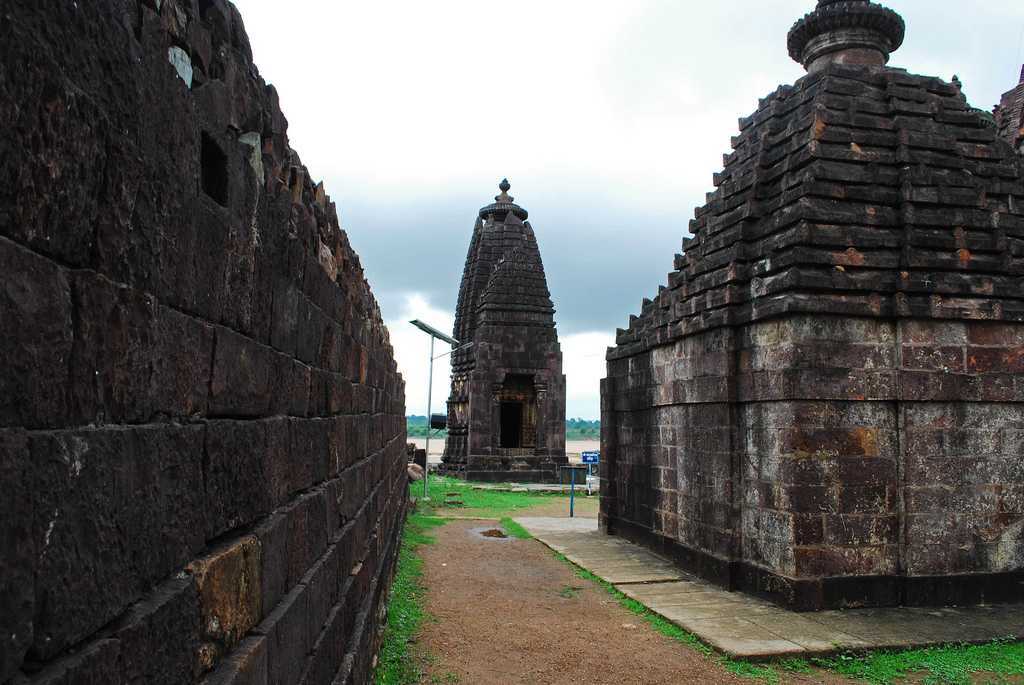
[{"x": 229, "y": 586}]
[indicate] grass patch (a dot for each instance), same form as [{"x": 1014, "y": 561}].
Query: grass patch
[
  {"x": 945, "y": 665},
  {"x": 397, "y": 664},
  {"x": 482, "y": 503},
  {"x": 515, "y": 530}
]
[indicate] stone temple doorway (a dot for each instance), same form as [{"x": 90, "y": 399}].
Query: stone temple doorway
[
  {"x": 511, "y": 425},
  {"x": 517, "y": 397}
]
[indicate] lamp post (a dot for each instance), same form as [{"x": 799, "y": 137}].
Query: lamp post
[{"x": 434, "y": 335}]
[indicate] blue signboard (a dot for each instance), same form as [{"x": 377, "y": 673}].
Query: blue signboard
[{"x": 591, "y": 457}]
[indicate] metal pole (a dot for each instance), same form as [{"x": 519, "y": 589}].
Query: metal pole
[
  {"x": 572, "y": 491},
  {"x": 430, "y": 392}
]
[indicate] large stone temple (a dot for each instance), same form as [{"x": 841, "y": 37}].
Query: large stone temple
[
  {"x": 506, "y": 412},
  {"x": 825, "y": 404}
]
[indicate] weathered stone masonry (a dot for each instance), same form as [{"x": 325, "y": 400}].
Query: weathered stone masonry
[
  {"x": 201, "y": 423},
  {"x": 825, "y": 405},
  {"x": 1009, "y": 115}
]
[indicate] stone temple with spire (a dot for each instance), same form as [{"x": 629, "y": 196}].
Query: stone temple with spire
[
  {"x": 824, "y": 405},
  {"x": 506, "y": 412}
]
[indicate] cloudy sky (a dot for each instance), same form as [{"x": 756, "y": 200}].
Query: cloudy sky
[{"x": 608, "y": 117}]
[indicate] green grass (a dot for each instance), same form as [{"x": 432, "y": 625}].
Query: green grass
[
  {"x": 397, "y": 665},
  {"x": 485, "y": 503},
  {"x": 515, "y": 530},
  {"x": 945, "y": 665},
  {"x": 569, "y": 592}
]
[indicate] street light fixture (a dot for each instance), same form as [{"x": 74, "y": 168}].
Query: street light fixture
[{"x": 456, "y": 347}]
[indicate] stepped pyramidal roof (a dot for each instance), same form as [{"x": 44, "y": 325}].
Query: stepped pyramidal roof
[{"x": 861, "y": 191}]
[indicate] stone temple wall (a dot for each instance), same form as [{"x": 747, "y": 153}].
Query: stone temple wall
[
  {"x": 825, "y": 460},
  {"x": 202, "y": 427},
  {"x": 825, "y": 403}
]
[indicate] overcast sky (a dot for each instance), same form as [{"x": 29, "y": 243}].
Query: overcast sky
[{"x": 608, "y": 117}]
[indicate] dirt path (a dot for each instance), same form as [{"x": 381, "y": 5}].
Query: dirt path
[{"x": 508, "y": 612}]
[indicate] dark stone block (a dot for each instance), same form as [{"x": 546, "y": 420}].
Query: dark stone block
[
  {"x": 183, "y": 364},
  {"x": 291, "y": 387},
  {"x": 246, "y": 665},
  {"x": 54, "y": 149},
  {"x": 287, "y": 638},
  {"x": 116, "y": 510},
  {"x": 242, "y": 373},
  {"x": 284, "y": 324},
  {"x": 96, "y": 664},
  {"x": 18, "y": 562},
  {"x": 338, "y": 452},
  {"x": 35, "y": 307},
  {"x": 328, "y": 650},
  {"x": 319, "y": 387},
  {"x": 307, "y": 536},
  {"x": 237, "y": 491},
  {"x": 309, "y": 452},
  {"x": 160, "y": 636},
  {"x": 274, "y": 542},
  {"x": 278, "y": 467},
  {"x": 323, "y": 591},
  {"x": 113, "y": 357}
]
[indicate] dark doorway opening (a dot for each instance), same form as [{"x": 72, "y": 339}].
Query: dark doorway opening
[
  {"x": 214, "y": 168},
  {"x": 511, "y": 424}
]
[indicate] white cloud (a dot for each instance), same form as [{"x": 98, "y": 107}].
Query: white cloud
[
  {"x": 608, "y": 117},
  {"x": 412, "y": 354},
  {"x": 584, "y": 366}
]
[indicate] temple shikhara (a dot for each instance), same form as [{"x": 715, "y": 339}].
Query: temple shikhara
[
  {"x": 506, "y": 412},
  {"x": 823, "y": 405}
]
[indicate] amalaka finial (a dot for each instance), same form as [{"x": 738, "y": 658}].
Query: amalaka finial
[
  {"x": 504, "y": 187},
  {"x": 846, "y": 32},
  {"x": 504, "y": 203}
]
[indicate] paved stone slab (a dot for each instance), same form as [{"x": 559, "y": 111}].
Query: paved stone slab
[{"x": 747, "y": 627}]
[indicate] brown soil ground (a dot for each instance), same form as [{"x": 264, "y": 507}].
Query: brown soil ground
[{"x": 507, "y": 611}]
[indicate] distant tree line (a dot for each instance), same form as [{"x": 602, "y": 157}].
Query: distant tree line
[
  {"x": 581, "y": 429},
  {"x": 575, "y": 429}
]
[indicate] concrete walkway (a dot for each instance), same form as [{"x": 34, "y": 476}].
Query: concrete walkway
[{"x": 743, "y": 626}]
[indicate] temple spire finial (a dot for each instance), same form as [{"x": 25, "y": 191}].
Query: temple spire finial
[
  {"x": 846, "y": 32},
  {"x": 504, "y": 187},
  {"x": 504, "y": 203}
]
